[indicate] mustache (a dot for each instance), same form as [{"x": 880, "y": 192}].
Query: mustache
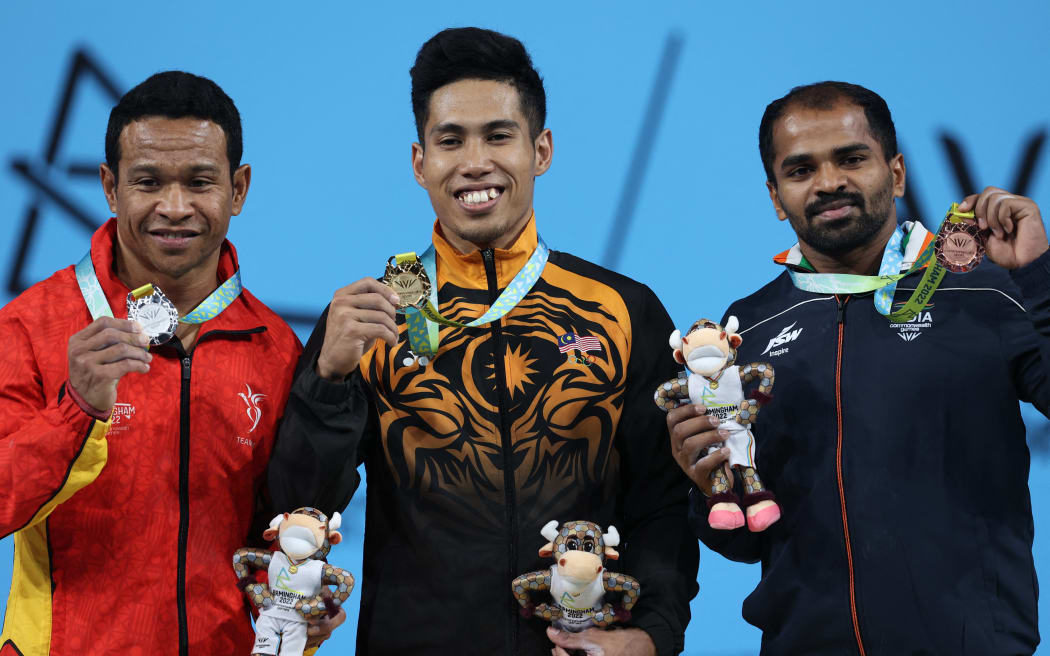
[{"x": 826, "y": 199}]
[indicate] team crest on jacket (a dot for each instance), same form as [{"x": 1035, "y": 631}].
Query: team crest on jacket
[
  {"x": 577, "y": 347},
  {"x": 252, "y": 400},
  {"x": 910, "y": 331}
]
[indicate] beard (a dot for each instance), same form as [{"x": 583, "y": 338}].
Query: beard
[{"x": 841, "y": 236}]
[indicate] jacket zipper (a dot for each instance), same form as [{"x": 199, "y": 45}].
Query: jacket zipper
[
  {"x": 184, "y": 498},
  {"x": 509, "y": 493},
  {"x": 184, "y": 478},
  {"x": 838, "y": 470}
]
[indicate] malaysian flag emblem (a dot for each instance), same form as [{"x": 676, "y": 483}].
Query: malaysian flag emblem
[{"x": 584, "y": 343}]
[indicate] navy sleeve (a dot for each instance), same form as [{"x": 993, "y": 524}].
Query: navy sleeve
[{"x": 1027, "y": 339}]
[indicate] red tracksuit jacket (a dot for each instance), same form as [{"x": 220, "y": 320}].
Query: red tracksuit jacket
[{"x": 124, "y": 529}]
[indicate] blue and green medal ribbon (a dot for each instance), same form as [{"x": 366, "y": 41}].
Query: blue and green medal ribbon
[
  {"x": 209, "y": 308},
  {"x": 423, "y": 322},
  {"x": 885, "y": 284}
]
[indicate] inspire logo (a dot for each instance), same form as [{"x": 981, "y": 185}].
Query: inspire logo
[{"x": 786, "y": 335}]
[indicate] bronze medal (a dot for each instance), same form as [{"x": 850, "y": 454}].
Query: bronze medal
[
  {"x": 409, "y": 281},
  {"x": 959, "y": 245}
]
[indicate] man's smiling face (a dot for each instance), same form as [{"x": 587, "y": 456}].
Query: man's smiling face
[
  {"x": 173, "y": 195},
  {"x": 479, "y": 163},
  {"x": 833, "y": 182}
]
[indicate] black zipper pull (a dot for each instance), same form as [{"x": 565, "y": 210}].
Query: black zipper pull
[
  {"x": 842, "y": 307},
  {"x": 185, "y": 368}
]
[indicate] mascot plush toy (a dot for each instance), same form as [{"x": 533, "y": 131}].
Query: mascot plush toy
[
  {"x": 578, "y": 579},
  {"x": 298, "y": 577},
  {"x": 714, "y": 380}
]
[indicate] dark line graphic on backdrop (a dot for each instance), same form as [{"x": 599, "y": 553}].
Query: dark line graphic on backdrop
[
  {"x": 82, "y": 66},
  {"x": 643, "y": 149},
  {"x": 1026, "y": 167},
  {"x": 40, "y": 173},
  {"x": 912, "y": 202}
]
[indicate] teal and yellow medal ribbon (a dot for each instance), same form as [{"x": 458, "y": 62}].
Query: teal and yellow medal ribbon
[
  {"x": 885, "y": 284},
  {"x": 209, "y": 308},
  {"x": 423, "y": 322}
]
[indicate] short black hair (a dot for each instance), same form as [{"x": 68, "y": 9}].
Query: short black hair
[
  {"x": 472, "y": 53},
  {"x": 176, "y": 94},
  {"x": 825, "y": 95}
]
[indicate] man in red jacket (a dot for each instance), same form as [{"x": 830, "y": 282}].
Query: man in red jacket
[{"x": 130, "y": 475}]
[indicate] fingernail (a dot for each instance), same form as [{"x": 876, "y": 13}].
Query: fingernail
[
  {"x": 136, "y": 326},
  {"x": 723, "y": 432},
  {"x": 700, "y": 409},
  {"x": 724, "y": 451},
  {"x": 714, "y": 421}
]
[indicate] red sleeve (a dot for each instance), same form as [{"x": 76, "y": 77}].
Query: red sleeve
[{"x": 49, "y": 448}]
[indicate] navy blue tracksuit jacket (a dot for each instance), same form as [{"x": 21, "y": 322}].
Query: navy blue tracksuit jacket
[{"x": 898, "y": 456}]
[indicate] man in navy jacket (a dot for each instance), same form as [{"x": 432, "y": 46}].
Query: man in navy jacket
[{"x": 895, "y": 448}]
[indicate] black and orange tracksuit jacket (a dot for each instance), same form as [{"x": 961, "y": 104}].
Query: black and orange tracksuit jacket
[
  {"x": 470, "y": 455},
  {"x": 124, "y": 529}
]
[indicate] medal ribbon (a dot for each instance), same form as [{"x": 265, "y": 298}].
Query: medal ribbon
[
  {"x": 423, "y": 323},
  {"x": 209, "y": 308},
  {"x": 885, "y": 284}
]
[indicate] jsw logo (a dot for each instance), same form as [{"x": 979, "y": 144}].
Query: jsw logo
[{"x": 786, "y": 335}]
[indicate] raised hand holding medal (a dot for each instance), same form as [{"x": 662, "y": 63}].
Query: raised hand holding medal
[{"x": 1014, "y": 234}]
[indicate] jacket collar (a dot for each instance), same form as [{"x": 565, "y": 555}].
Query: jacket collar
[
  {"x": 916, "y": 238},
  {"x": 468, "y": 270},
  {"x": 103, "y": 257}
]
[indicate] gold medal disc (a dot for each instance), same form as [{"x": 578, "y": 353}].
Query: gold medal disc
[{"x": 410, "y": 282}]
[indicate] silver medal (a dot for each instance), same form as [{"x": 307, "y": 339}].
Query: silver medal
[{"x": 156, "y": 314}]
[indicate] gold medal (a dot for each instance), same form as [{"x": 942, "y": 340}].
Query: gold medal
[{"x": 409, "y": 281}]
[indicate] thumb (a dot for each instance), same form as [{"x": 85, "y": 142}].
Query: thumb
[{"x": 565, "y": 639}]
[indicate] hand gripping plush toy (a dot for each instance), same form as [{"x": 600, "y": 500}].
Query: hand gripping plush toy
[
  {"x": 578, "y": 579},
  {"x": 298, "y": 578},
  {"x": 709, "y": 352}
]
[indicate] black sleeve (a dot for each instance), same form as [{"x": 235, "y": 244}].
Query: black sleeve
[
  {"x": 659, "y": 549},
  {"x": 1028, "y": 338},
  {"x": 325, "y": 428}
]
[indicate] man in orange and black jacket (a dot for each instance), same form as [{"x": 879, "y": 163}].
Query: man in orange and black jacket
[{"x": 543, "y": 414}]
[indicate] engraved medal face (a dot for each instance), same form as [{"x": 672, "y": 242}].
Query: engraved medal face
[
  {"x": 156, "y": 314},
  {"x": 409, "y": 281},
  {"x": 959, "y": 246}
]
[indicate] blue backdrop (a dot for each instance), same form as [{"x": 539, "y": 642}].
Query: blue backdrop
[{"x": 654, "y": 109}]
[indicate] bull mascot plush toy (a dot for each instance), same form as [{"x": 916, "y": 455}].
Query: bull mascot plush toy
[
  {"x": 578, "y": 580},
  {"x": 298, "y": 578},
  {"x": 714, "y": 380}
]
